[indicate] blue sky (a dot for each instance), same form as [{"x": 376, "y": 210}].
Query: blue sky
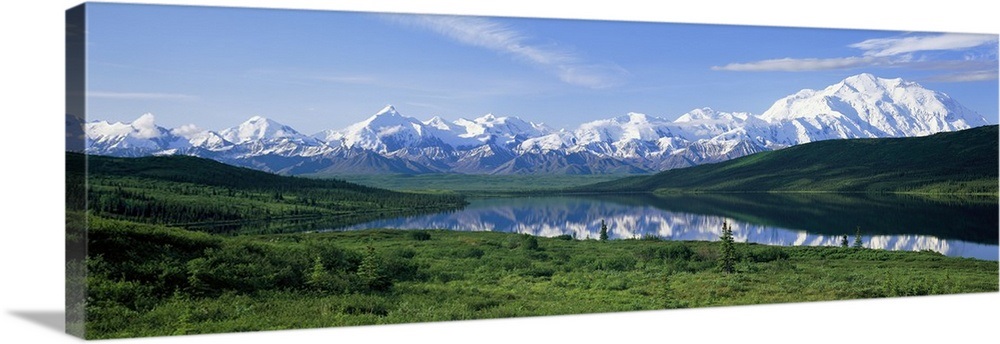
[{"x": 315, "y": 70}]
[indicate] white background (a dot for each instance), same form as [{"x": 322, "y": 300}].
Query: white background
[{"x": 31, "y": 139}]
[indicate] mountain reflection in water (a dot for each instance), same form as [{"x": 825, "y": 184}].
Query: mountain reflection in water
[{"x": 963, "y": 227}]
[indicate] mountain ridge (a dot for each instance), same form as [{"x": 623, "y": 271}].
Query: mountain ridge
[{"x": 861, "y": 106}]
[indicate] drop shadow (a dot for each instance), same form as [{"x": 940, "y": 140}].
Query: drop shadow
[{"x": 53, "y": 320}]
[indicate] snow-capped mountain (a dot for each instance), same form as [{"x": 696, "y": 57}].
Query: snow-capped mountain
[
  {"x": 138, "y": 138},
  {"x": 861, "y": 106},
  {"x": 866, "y": 106}
]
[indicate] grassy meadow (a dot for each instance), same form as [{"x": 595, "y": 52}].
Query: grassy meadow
[{"x": 152, "y": 280}]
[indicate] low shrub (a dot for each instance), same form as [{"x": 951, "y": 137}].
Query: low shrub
[{"x": 420, "y": 235}]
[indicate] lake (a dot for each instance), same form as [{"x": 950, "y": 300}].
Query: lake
[{"x": 955, "y": 226}]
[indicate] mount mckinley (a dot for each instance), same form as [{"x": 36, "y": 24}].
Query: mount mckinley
[{"x": 861, "y": 106}]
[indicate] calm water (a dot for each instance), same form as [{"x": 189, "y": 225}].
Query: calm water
[{"x": 954, "y": 227}]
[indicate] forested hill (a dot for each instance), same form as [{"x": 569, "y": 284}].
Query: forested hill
[
  {"x": 189, "y": 169},
  {"x": 952, "y": 162},
  {"x": 207, "y": 195}
]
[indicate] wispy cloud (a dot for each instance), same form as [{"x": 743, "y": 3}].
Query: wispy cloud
[
  {"x": 139, "y": 95},
  {"x": 904, "y": 45},
  {"x": 493, "y": 35},
  {"x": 895, "y": 52},
  {"x": 801, "y": 65},
  {"x": 979, "y": 75},
  {"x": 187, "y": 130}
]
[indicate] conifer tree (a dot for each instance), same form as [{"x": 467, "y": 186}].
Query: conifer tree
[
  {"x": 727, "y": 259},
  {"x": 604, "y": 231},
  {"x": 371, "y": 272},
  {"x": 318, "y": 277},
  {"x": 857, "y": 238}
]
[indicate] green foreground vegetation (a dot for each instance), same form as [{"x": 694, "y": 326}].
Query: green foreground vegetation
[
  {"x": 153, "y": 280},
  {"x": 962, "y": 162}
]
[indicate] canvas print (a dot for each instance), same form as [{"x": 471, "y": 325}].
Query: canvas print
[{"x": 240, "y": 169}]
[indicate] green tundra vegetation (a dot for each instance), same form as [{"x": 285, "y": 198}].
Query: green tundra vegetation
[{"x": 152, "y": 280}]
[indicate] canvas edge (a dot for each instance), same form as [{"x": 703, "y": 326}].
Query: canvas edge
[{"x": 75, "y": 178}]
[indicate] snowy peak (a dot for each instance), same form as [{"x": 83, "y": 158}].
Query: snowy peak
[
  {"x": 384, "y": 132},
  {"x": 488, "y": 118},
  {"x": 868, "y": 106},
  {"x": 490, "y": 127},
  {"x": 388, "y": 110},
  {"x": 697, "y": 115},
  {"x": 258, "y": 128},
  {"x": 139, "y": 137},
  {"x": 437, "y": 123},
  {"x": 866, "y": 81},
  {"x": 143, "y": 127},
  {"x": 634, "y": 118}
]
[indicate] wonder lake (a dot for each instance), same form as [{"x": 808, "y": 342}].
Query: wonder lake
[{"x": 953, "y": 226}]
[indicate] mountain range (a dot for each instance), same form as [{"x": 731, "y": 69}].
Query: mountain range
[{"x": 861, "y": 106}]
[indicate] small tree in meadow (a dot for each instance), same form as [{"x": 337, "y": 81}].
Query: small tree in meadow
[
  {"x": 857, "y": 238},
  {"x": 843, "y": 241},
  {"x": 604, "y": 231},
  {"x": 317, "y": 276},
  {"x": 727, "y": 259},
  {"x": 372, "y": 273}
]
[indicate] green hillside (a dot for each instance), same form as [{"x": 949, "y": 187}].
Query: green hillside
[
  {"x": 953, "y": 162},
  {"x": 202, "y": 194}
]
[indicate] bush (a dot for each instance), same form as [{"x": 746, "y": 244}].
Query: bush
[
  {"x": 420, "y": 235},
  {"x": 563, "y": 237},
  {"x": 620, "y": 263},
  {"x": 529, "y": 242},
  {"x": 539, "y": 271},
  {"x": 473, "y": 252},
  {"x": 366, "y": 304},
  {"x": 764, "y": 254},
  {"x": 672, "y": 251}
]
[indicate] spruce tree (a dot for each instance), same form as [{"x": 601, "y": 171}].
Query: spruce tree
[
  {"x": 604, "y": 231},
  {"x": 318, "y": 277},
  {"x": 843, "y": 241},
  {"x": 857, "y": 238},
  {"x": 371, "y": 271},
  {"x": 727, "y": 260}
]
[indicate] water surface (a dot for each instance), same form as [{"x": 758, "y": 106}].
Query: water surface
[{"x": 963, "y": 227}]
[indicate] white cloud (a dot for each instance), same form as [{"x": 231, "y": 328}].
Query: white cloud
[
  {"x": 883, "y": 52},
  {"x": 801, "y": 65},
  {"x": 138, "y": 95},
  {"x": 979, "y": 75},
  {"x": 146, "y": 126},
  {"x": 187, "y": 130},
  {"x": 495, "y": 36},
  {"x": 881, "y": 47}
]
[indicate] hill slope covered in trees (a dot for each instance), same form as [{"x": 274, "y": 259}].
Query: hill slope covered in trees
[
  {"x": 203, "y": 194},
  {"x": 952, "y": 162}
]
